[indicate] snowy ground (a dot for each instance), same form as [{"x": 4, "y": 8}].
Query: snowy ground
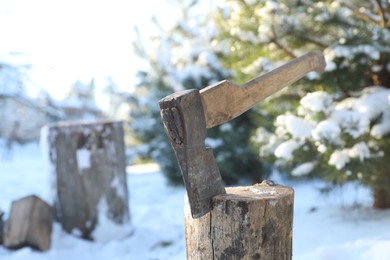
[{"x": 339, "y": 226}]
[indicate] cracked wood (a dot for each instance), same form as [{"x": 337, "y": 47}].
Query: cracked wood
[
  {"x": 252, "y": 222},
  {"x": 183, "y": 117}
]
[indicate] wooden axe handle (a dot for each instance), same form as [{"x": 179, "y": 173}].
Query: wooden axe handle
[{"x": 224, "y": 100}]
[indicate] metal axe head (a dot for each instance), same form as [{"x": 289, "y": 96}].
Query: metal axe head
[
  {"x": 184, "y": 121},
  {"x": 187, "y": 114}
]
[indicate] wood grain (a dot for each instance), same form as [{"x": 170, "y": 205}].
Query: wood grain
[
  {"x": 246, "y": 223},
  {"x": 224, "y": 100},
  {"x": 29, "y": 224}
]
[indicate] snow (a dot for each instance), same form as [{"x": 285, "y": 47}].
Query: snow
[
  {"x": 368, "y": 112},
  {"x": 226, "y": 127},
  {"x": 118, "y": 187},
  {"x": 340, "y": 225},
  {"x": 327, "y": 130},
  {"x": 107, "y": 230},
  {"x": 259, "y": 64},
  {"x": 373, "y": 102},
  {"x": 297, "y": 127},
  {"x": 10, "y": 84},
  {"x": 355, "y": 114},
  {"x": 339, "y": 158},
  {"x": 383, "y": 127},
  {"x": 264, "y": 192},
  {"x": 303, "y": 169},
  {"x": 83, "y": 159},
  {"x": 330, "y": 65},
  {"x": 360, "y": 150},
  {"x": 285, "y": 150},
  {"x": 353, "y": 123},
  {"x": 318, "y": 101},
  {"x": 351, "y": 51},
  {"x": 213, "y": 142},
  {"x": 250, "y": 2},
  {"x": 47, "y": 159},
  {"x": 155, "y": 208}
]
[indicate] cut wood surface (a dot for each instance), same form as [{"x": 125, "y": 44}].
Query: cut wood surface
[
  {"x": 88, "y": 168},
  {"x": 252, "y": 222},
  {"x": 29, "y": 224}
]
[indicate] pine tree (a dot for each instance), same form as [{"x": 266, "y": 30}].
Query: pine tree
[
  {"x": 354, "y": 36},
  {"x": 185, "y": 58}
]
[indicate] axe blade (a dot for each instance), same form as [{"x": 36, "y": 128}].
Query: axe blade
[{"x": 183, "y": 117}]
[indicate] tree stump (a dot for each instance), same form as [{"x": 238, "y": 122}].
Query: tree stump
[
  {"x": 88, "y": 165},
  {"x": 245, "y": 223},
  {"x": 29, "y": 224}
]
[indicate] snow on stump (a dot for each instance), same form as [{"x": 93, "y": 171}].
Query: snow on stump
[
  {"x": 252, "y": 222},
  {"x": 29, "y": 224},
  {"x": 87, "y": 161}
]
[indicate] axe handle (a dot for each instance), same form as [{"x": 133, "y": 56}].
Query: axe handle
[
  {"x": 286, "y": 74},
  {"x": 224, "y": 101}
]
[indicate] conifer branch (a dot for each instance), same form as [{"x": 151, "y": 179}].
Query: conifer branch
[
  {"x": 382, "y": 13},
  {"x": 365, "y": 16},
  {"x": 314, "y": 41},
  {"x": 275, "y": 40}
]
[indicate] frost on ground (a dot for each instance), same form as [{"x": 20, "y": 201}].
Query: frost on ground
[{"x": 337, "y": 226}]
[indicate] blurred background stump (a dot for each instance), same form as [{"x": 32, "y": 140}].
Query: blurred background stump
[
  {"x": 87, "y": 162},
  {"x": 246, "y": 223},
  {"x": 29, "y": 224}
]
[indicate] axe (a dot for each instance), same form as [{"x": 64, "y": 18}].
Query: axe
[{"x": 187, "y": 114}]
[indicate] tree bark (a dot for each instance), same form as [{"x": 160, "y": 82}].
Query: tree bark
[
  {"x": 29, "y": 224},
  {"x": 88, "y": 165},
  {"x": 381, "y": 198},
  {"x": 252, "y": 222}
]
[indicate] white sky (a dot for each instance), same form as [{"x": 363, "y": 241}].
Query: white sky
[{"x": 67, "y": 40}]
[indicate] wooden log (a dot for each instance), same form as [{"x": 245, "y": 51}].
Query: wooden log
[
  {"x": 29, "y": 224},
  {"x": 246, "y": 223},
  {"x": 88, "y": 165}
]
